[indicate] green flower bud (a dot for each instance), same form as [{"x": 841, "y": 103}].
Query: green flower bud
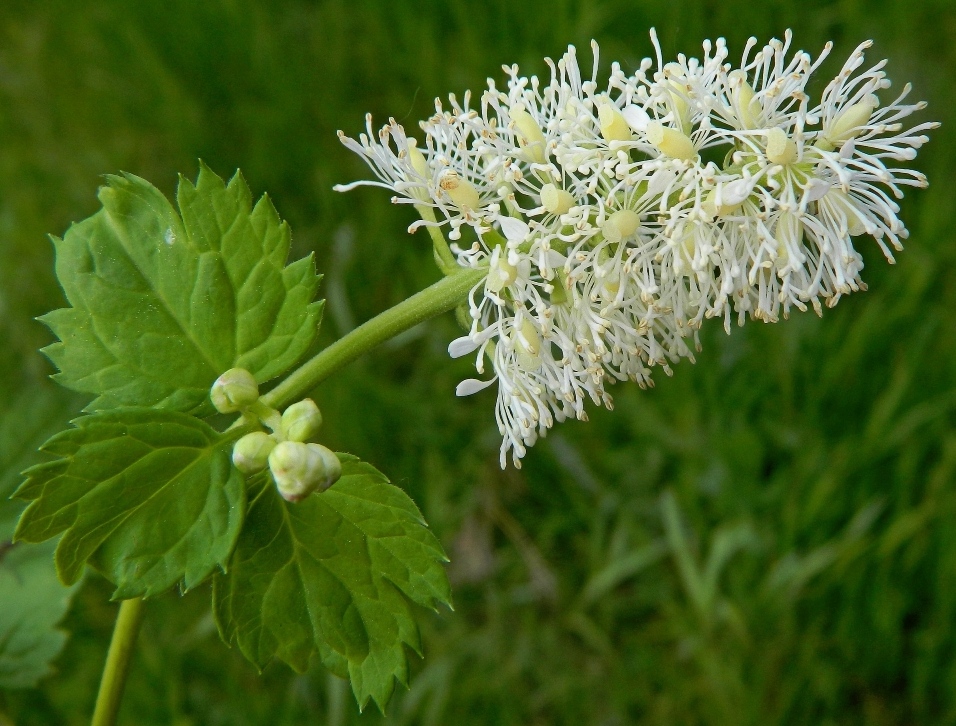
[
  {"x": 251, "y": 452},
  {"x": 300, "y": 469},
  {"x": 301, "y": 421},
  {"x": 234, "y": 390}
]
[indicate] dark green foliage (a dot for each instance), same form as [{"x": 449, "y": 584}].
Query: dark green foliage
[
  {"x": 163, "y": 304},
  {"x": 149, "y": 498},
  {"x": 811, "y": 464},
  {"x": 327, "y": 576}
]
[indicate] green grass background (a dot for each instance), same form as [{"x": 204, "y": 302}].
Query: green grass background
[{"x": 768, "y": 537}]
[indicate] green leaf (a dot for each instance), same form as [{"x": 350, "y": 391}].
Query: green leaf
[
  {"x": 163, "y": 304},
  {"x": 327, "y": 576},
  {"x": 26, "y": 421},
  {"x": 150, "y": 498},
  {"x": 32, "y": 602}
]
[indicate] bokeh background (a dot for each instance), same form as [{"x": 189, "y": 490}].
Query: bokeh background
[{"x": 767, "y": 537}]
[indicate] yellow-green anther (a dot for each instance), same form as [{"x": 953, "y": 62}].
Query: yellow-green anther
[
  {"x": 670, "y": 142},
  {"x": 530, "y": 137},
  {"x": 844, "y": 203},
  {"x": 613, "y": 125},
  {"x": 461, "y": 191},
  {"x": 528, "y": 345},
  {"x": 234, "y": 390},
  {"x": 623, "y": 223},
  {"x": 748, "y": 108},
  {"x": 301, "y": 421},
  {"x": 418, "y": 161},
  {"x": 555, "y": 200},
  {"x": 251, "y": 453},
  {"x": 781, "y": 149},
  {"x": 849, "y": 123},
  {"x": 300, "y": 469}
]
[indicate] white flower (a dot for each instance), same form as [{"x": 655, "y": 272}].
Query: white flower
[{"x": 608, "y": 236}]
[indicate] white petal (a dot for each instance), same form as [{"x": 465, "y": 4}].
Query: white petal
[
  {"x": 515, "y": 230},
  {"x": 847, "y": 150},
  {"x": 660, "y": 180},
  {"x": 461, "y": 346},
  {"x": 817, "y": 189},
  {"x": 555, "y": 258},
  {"x": 472, "y": 385},
  {"x": 636, "y": 117},
  {"x": 736, "y": 192}
]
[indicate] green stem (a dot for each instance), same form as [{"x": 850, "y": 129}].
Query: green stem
[
  {"x": 444, "y": 295},
  {"x": 443, "y": 256},
  {"x": 117, "y": 662}
]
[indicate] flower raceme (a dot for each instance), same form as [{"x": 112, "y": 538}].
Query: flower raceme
[{"x": 607, "y": 235}]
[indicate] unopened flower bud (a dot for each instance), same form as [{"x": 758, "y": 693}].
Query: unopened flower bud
[
  {"x": 301, "y": 421},
  {"x": 556, "y": 201},
  {"x": 781, "y": 149},
  {"x": 613, "y": 125},
  {"x": 623, "y": 223},
  {"x": 460, "y": 191},
  {"x": 251, "y": 452},
  {"x": 234, "y": 390},
  {"x": 300, "y": 469},
  {"x": 529, "y": 134},
  {"x": 670, "y": 142}
]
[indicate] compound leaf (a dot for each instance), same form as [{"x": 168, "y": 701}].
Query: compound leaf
[
  {"x": 150, "y": 498},
  {"x": 328, "y": 576},
  {"x": 162, "y": 304},
  {"x": 32, "y": 603}
]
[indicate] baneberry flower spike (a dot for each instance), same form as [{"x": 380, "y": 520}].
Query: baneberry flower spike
[{"x": 608, "y": 237}]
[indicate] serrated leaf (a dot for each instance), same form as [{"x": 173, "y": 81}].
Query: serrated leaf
[
  {"x": 328, "y": 575},
  {"x": 32, "y": 603},
  {"x": 150, "y": 498},
  {"x": 32, "y": 600},
  {"x": 162, "y": 304}
]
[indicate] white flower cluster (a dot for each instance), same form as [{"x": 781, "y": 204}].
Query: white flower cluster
[{"x": 613, "y": 220}]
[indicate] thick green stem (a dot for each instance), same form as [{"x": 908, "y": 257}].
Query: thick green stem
[
  {"x": 117, "y": 662},
  {"x": 444, "y": 295}
]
